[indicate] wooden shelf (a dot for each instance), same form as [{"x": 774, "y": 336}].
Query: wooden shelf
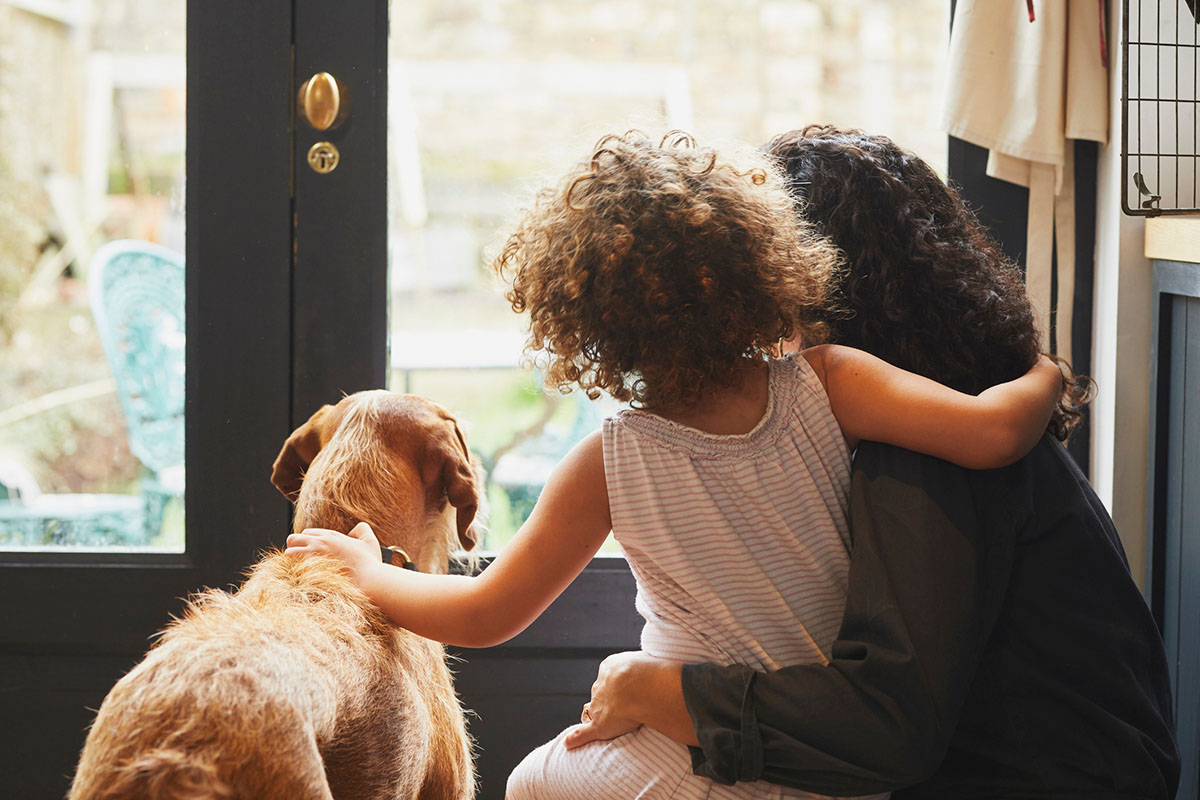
[{"x": 1173, "y": 238}]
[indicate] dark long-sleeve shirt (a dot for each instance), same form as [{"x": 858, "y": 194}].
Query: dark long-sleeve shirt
[{"x": 993, "y": 645}]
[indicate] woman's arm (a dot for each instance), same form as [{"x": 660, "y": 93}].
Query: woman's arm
[
  {"x": 876, "y": 401},
  {"x": 567, "y": 527}
]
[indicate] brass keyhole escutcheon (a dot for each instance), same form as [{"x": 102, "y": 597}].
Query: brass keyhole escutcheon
[
  {"x": 323, "y": 157},
  {"x": 323, "y": 101}
]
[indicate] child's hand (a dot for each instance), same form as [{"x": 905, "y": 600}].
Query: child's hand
[{"x": 358, "y": 550}]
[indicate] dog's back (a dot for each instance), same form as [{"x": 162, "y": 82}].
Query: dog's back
[{"x": 295, "y": 686}]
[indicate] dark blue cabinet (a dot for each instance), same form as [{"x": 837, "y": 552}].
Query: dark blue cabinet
[{"x": 1173, "y": 540}]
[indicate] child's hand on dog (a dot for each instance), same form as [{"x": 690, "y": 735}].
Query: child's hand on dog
[{"x": 358, "y": 549}]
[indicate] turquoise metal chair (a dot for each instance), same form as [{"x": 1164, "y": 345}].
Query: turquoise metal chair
[
  {"x": 136, "y": 291},
  {"x": 137, "y": 297}
]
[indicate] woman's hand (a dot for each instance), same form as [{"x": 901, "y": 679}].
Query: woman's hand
[
  {"x": 603, "y": 717},
  {"x": 358, "y": 550},
  {"x": 633, "y": 689}
]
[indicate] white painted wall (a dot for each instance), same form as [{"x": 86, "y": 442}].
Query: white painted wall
[{"x": 1121, "y": 354}]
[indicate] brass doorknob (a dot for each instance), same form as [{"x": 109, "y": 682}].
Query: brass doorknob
[{"x": 323, "y": 101}]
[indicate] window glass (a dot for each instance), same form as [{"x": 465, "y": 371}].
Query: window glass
[
  {"x": 489, "y": 98},
  {"x": 91, "y": 274}
]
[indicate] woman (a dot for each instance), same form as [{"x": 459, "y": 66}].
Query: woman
[{"x": 993, "y": 642}]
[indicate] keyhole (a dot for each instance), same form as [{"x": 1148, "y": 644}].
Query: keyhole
[{"x": 323, "y": 157}]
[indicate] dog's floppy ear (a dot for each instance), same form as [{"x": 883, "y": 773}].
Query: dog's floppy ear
[
  {"x": 457, "y": 477},
  {"x": 298, "y": 452}
]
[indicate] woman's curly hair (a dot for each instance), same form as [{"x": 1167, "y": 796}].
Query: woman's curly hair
[
  {"x": 653, "y": 270},
  {"x": 926, "y": 288}
]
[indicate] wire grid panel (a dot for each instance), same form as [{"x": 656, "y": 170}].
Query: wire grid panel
[{"x": 1160, "y": 107}]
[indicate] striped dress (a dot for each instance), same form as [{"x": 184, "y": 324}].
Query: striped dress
[{"x": 740, "y": 548}]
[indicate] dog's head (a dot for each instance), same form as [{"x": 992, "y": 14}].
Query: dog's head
[{"x": 392, "y": 460}]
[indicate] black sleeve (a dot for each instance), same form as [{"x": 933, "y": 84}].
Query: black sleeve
[{"x": 925, "y": 586}]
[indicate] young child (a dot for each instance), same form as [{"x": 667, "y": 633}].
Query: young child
[{"x": 664, "y": 274}]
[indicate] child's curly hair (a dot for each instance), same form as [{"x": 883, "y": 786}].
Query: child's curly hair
[
  {"x": 927, "y": 288},
  {"x": 652, "y": 271}
]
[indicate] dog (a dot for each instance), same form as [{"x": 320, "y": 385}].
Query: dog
[{"x": 296, "y": 686}]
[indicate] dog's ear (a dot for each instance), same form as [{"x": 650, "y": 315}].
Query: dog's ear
[
  {"x": 298, "y": 452},
  {"x": 457, "y": 476}
]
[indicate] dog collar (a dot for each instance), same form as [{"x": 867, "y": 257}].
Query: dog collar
[{"x": 397, "y": 556}]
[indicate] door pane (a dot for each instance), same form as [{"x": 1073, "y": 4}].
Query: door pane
[
  {"x": 91, "y": 274},
  {"x": 487, "y": 98}
]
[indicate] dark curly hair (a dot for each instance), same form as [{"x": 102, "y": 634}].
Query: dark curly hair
[
  {"x": 652, "y": 271},
  {"x": 925, "y": 287}
]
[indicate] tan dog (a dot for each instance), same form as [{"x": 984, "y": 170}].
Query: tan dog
[{"x": 296, "y": 686}]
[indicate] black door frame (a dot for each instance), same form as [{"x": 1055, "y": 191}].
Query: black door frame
[{"x": 339, "y": 289}]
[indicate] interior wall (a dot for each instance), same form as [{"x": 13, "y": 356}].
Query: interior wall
[{"x": 1121, "y": 347}]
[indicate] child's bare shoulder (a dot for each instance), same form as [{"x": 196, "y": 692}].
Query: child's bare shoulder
[
  {"x": 818, "y": 357},
  {"x": 829, "y": 359}
]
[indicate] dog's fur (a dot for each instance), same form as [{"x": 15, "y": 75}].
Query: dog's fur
[{"x": 296, "y": 686}]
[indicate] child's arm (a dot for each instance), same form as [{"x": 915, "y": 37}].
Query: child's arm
[
  {"x": 873, "y": 400},
  {"x": 567, "y": 527}
]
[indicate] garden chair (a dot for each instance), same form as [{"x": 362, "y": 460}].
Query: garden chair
[{"x": 137, "y": 297}]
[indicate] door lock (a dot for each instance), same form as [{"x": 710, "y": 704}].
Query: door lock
[{"x": 323, "y": 157}]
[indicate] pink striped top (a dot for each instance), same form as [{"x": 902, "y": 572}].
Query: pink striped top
[
  {"x": 740, "y": 549},
  {"x": 739, "y": 544}
]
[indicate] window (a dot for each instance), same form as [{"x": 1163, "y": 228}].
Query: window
[
  {"x": 91, "y": 337},
  {"x": 486, "y": 99}
]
